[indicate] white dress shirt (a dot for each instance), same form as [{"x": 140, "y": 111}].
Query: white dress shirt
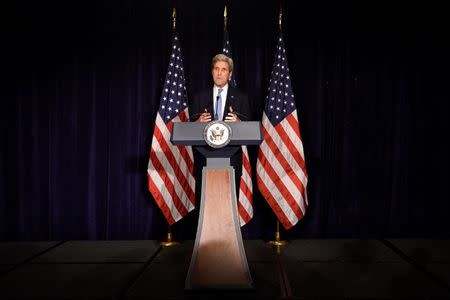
[{"x": 223, "y": 95}]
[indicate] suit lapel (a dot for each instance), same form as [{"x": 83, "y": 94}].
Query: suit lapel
[
  {"x": 210, "y": 103},
  {"x": 229, "y": 102}
]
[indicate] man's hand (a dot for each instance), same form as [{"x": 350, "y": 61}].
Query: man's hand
[
  {"x": 231, "y": 116},
  {"x": 204, "y": 117}
]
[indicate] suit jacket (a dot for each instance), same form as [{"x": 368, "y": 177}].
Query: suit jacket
[
  {"x": 235, "y": 98},
  {"x": 204, "y": 99}
]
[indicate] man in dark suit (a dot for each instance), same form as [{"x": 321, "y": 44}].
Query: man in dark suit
[{"x": 221, "y": 102}]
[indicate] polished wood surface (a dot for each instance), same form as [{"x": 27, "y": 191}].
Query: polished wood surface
[{"x": 218, "y": 260}]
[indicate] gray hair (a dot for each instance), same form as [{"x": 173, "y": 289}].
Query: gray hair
[{"x": 222, "y": 57}]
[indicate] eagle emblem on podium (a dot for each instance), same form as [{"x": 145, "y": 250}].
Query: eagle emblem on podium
[{"x": 217, "y": 134}]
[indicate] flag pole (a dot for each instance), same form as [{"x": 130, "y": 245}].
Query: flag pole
[
  {"x": 280, "y": 16},
  {"x": 277, "y": 242},
  {"x": 169, "y": 239},
  {"x": 174, "y": 18},
  {"x": 225, "y": 18}
]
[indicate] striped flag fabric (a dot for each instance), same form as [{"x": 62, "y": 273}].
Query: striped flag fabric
[
  {"x": 245, "y": 203},
  {"x": 170, "y": 171},
  {"x": 280, "y": 168},
  {"x": 227, "y": 51}
]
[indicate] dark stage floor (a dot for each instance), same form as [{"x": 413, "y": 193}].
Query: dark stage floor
[{"x": 306, "y": 269}]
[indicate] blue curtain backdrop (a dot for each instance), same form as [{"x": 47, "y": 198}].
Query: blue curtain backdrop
[{"x": 82, "y": 82}]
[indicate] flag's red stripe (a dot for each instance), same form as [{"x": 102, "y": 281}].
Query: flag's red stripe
[
  {"x": 187, "y": 159},
  {"x": 292, "y": 148},
  {"x": 168, "y": 184},
  {"x": 273, "y": 203},
  {"x": 246, "y": 164},
  {"x": 283, "y": 162},
  {"x": 171, "y": 159},
  {"x": 183, "y": 151},
  {"x": 243, "y": 213},
  {"x": 246, "y": 190},
  {"x": 284, "y": 191},
  {"x": 160, "y": 200},
  {"x": 176, "y": 168},
  {"x": 243, "y": 185},
  {"x": 183, "y": 117},
  {"x": 294, "y": 124}
]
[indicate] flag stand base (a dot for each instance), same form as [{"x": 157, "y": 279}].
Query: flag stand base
[
  {"x": 278, "y": 241},
  {"x": 169, "y": 240}
]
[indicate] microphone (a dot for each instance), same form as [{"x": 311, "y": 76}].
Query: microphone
[
  {"x": 238, "y": 114},
  {"x": 196, "y": 115}
]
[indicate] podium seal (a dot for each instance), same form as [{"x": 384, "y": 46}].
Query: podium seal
[{"x": 217, "y": 134}]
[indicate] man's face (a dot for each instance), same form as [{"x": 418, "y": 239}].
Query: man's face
[{"x": 221, "y": 73}]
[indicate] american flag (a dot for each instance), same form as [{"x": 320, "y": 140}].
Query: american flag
[
  {"x": 227, "y": 51},
  {"x": 245, "y": 203},
  {"x": 280, "y": 167},
  {"x": 170, "y": 168}
]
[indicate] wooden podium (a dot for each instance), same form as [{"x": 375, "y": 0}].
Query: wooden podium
[{"x": 218, "y": 260}]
